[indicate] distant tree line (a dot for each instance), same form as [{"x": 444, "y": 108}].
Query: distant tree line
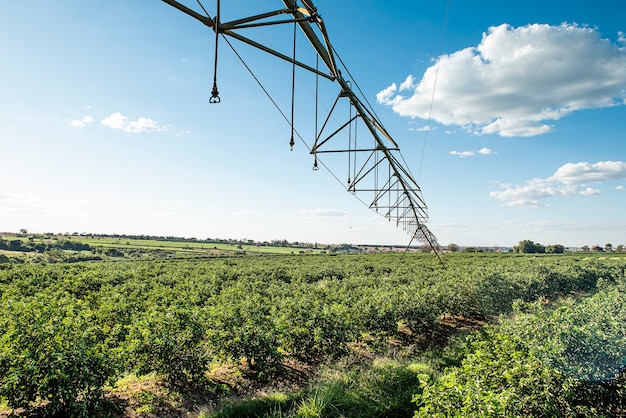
[
  {"x": 608, "y": 248},
  {"x": 170, "y": 238},
  {"x": 40, "y": 247},
  {"x": 530, "y": 247}
]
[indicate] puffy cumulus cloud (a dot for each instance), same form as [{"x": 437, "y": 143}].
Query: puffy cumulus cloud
[
  {"x": 517, "y": 80},
  {"x": 531, "y": 193},
  {"x": 81, "y": 123},
  {"x": 124, "y": 123},
  {"x": 569, "y": 179},
  {"x": 590, "y": 173},
  {"x": 482, "y": 151}
]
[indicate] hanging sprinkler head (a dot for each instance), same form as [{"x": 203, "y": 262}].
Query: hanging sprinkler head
[{"x": 215, "y": 95}]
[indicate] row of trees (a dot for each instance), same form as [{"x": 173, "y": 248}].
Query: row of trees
[
  {"x": 530, "y": 247},
  {"x": 40, "y": 247},
  {"x": 607, "y": 248},
  {"x": 230, "y": 241}
]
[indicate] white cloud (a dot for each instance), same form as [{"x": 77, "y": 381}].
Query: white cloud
[
  {"x": 568, "y": 180},
  {"x": 385, "y": 96},
  {"x": 425, "y": 128},
  {"x": 527, "y": 203},
  {"x": 408, "y": 84},
  {"x": 620, "y": 187},
  {"x": 462, "y": 154},
  {"x": 517, "y": 80},
  {"x": 589, "y": 191},
  {"x": 81, "y": 123},
  {"x": 585, "y": 172},
  {"x": 324, "y": 213},
  {"x": 121, "y": 122},
  {"x": 530, "y": 193}
]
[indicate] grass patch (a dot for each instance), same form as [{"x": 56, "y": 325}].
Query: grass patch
[{"x": 383, "y": 387}]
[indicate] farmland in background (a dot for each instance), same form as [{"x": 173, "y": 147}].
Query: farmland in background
[{"x": 74, "y": 247}]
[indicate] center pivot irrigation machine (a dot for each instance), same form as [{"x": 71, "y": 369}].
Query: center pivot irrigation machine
[{"x": 375, "y": 173}]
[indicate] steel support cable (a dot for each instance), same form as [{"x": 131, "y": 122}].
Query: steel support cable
[
  {"x": 421, "y": 230},
  {"x": 349, "y": 141},
  {"x": 432, "y": 98},
  {"x": 328, "y": 58},
  {"x": 293, "y": 84},
  {"x": 369, "y": 105},
  {"x": 317, "y": 61},
  {"x": 345, "y": 67},
  {"x": 305, "y": 85},
  {"x": 356, "y": 126},
  {"x": 269, "y": 96}
]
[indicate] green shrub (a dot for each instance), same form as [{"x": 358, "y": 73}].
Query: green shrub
[
  {"x": 170, "y": 342},
  {"x": 497, "y": 378},
  {"x": 564, "y": 361},
  {"x": 50, "y": 354},
  {"x": 240, "y": 327}
]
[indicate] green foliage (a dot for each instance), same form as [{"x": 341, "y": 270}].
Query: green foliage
[
  {"x": 585, "y": 339},
  {"x": 241, "y": 327},
  {"x": 547, "y": 362},
  {"x": 169, "y": 342},
  {"x": 555, "y": 249},
  {"x": 49, "y": 351},
  {"x": 95, "y": 321},
  {"x": 40, "y": 247},
  {"x": 528, "y": 247},
  {"x": 497, "y": 378}
]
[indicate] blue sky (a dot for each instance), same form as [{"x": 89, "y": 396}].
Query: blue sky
[{"x": 105, "y": 124}]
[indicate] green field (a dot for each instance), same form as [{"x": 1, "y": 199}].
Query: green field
[
  {"x": 315, "y": 335},
  {"x": 188, "y": 247},
  {"x": 154, "y": 248}
]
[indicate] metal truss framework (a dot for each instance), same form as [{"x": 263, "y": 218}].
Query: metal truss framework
[{"x": 376, "y": 175}]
